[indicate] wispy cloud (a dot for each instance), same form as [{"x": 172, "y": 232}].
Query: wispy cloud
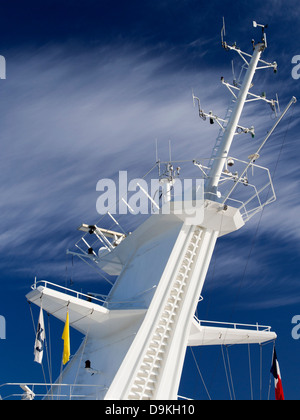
[{"x": 71, "y": 118}]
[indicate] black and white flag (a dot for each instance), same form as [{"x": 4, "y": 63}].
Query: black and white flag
[{"x": 39, "y": 340}]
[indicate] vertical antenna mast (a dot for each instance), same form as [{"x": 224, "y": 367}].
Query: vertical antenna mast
[
  {"x": 157, "y": 161},
  {"x": 224, "y": 147},
  {"x": 223, "y": 32}
]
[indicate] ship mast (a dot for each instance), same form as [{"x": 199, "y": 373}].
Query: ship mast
[
  {"x": 152, "y": 367},
  {"x": 223, "y": 148},
  {"x": 137, "y": 341}
]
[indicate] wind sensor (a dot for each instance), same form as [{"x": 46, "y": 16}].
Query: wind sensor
[{"x": 264, "y": 38}]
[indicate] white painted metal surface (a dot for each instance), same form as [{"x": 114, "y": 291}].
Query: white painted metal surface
[
  {"x": 222, "y": 333},
  {"x": 135, "y": 339}
]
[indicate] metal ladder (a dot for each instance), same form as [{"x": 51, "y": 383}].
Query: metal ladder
[
  {"x": 220, "y": 135},
  {"x": 227, "y": 118},
  {"x": 145, "y": 382}
]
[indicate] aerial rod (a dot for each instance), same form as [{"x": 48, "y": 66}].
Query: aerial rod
[{"x": 292, "y": 101}]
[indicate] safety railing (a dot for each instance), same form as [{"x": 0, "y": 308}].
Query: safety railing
[
  {"x": 33, "y": 390},
  {"x": 79, "y": 295},
  {"x": 136, "y": 301},
  {"x": 234, "y": 325},
  {"x": 248, "y": 187}
]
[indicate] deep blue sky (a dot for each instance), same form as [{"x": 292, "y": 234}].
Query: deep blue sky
[{"x": 89, "y": 87}]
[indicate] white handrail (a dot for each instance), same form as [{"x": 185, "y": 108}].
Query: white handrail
[
  {"x": 78, "y": 294},
  {"x": 235, "y": 325},
  {"x": 48, "y": 393}
]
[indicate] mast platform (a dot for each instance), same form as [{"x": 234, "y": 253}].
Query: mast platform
[{"x": 86, "y": 316}]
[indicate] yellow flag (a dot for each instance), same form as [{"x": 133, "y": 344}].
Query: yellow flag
[{"x": 66, "y": 338}]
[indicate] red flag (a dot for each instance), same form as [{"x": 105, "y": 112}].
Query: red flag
[{"x": 277, "y": 377}]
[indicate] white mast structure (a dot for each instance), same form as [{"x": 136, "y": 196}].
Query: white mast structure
[{"x": 136, "y": 339}]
